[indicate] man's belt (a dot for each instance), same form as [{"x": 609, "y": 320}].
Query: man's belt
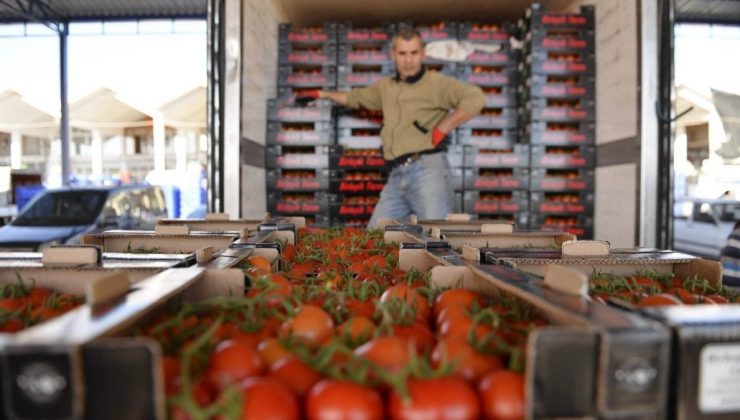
[{"x": 413, "y": 157}]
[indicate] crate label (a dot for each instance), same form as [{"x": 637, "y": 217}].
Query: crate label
[
  {"x": 478, "y": 57},
  {"x": 552, "y": 19},
  {"x": 346, "y": 186},
  {"x": 719, "y": 388},
  {"x": 486, "y": 36}
]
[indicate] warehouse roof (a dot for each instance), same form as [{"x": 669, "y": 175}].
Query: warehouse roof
[{"x": 77, "y": 10}]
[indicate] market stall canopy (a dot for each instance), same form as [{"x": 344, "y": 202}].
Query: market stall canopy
[
  {"x": 187, "y": 110},
  {"x": 103, "y": 110},
  {"x": 80, "y": 10},
  {"x": 17, "y": 115}
]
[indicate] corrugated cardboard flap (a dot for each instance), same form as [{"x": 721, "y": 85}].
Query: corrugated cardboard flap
[
  {"x": 458, "y": 217},
  {"x": 107, "y": 289},
  {"x": 580, "y": 249},
  {"x": 497, "y": 228},
  {"x": 217, "y": 216},
  {"x": 70, "y": 256},
  {"x": 566, "y": 280},
  {"x": 171, "y": 230},
  {"x": 470, "y": 253},
  {"x": 204, "y": 254}
]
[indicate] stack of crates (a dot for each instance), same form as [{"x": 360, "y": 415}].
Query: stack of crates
[
  {"x": 496, "y": 176},
  {"x": 358, "y": 170},
  {"x": 299, "y": 138},
  {"x": 557, "y": 117}
]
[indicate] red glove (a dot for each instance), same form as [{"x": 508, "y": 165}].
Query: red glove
[
  {"x": 307, "y": 96},
  {"x": 437, "y": 136}
]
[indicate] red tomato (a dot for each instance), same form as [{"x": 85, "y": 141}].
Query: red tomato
[
  {"x": 171, "y": 373},
  {"x": 502, "y": 393},
  {"x": 359, "y": 308},
  {"x": 292, "y": 372},
  {"x": 445, "y": 398},
  {"x": 267, "y": 399},
  {"x": 270, "y": 351},
  {"x": 232, "y": 361},
  {"x": 356, "y": 330},
  {"x": 332, "y": 399},
  {"x": 659, "y": 299},
  {"x": 12, "y": 325},
  {"x": 38, "y": 296},
  {"x": 454, "y": 297},
  {"x": 411, "y": 297},
  {"x": 417, "y": 335},
  {"x": 469, "y": 363},
  {"x": 12, "y": 304},
  {"x": 718, "y": 299},
  {"x": 311, "y": 325},
  {"x": 387, "y": 352}
]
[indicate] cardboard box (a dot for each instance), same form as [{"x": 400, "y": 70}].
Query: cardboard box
[
  {"x": 498, "y": 236},
  {"x": 79, "y": 353},
  {"x": 166, "y": 239},
  {"x": 622, "y": 359}
]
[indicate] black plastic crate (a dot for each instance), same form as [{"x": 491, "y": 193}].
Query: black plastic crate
[
  {"x": 562, "y": 202},
  {"x": 500, "y": 96},
  {"x": 446, "y": 68},
  {"x": 363, "y": 54},
  {"x": 442, "y": 31},
  {"x": 517, "y": 157},
  {"x": 359, "y": 138},
  {"x": 560, "y": 63},
  {"x": 341, "y": 158},
  {"x": 494, "y": 118},
  {"x": 341, "y": 186},
  {"x": 297, "y": 158},
  {"x": 563, "y": 156},
  {"x": 356, "y": 75},
  {"x": 288, "y": 34},
  {"x": 457, "y": 178},
  {"x": 501, "y": 179},
  {"x": 477, "y": 202},
  {"x": 560, "y": 109},
  {"x": 560, "y": 86},
  {"x": 485, "y": 33},
  {"x": 560, "y": 133},
  {"x": 297, "y": 180},
  {"x": 567, "y": 40},
  {"x": 348, "y": 34},
  {"x": 487, "y": 138},
  {"x": 537, "y": 16},
  {"x": 300, "y": 134},
  {"x": 307, "y": 76},
  {"x": 321, "y": 54},
  {"x": 505, "y": 57},
  {"x": 488, "y": 75},
  {"x": 562, "y": 180},
  {"x": 455, "y": 156},
  {"x": 320, "y": 110},
  {"x": 352, "y": 206},
  {"x": 297, "y": 203},
  {"x": 348, "y": 118},
  {"x": 580, "y": 225}
]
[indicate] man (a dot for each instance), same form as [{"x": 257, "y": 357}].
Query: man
[
  {"x": 416, "y": 120},
  {"x": 730, "y": 258}
]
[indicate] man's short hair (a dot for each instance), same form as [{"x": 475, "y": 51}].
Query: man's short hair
[{"x": 407, "y": 33}]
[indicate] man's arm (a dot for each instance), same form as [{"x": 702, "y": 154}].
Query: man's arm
[
  {"x": 338, "y": 97},
  {"x": 467, "y": 100}
]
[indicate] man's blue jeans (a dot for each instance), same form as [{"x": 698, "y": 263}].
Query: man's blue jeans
[{"x": 423, "y": 187}]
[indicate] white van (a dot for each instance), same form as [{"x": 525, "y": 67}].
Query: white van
[{"x": 701, "y": 226}]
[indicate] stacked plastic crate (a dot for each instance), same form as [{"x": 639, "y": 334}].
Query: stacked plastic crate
[
  {"x": 558, "y": 115},
  {"x": 299, "y": 138},
  {"x": 358, "y": 170},
  {"x": 496, "y": 174}
]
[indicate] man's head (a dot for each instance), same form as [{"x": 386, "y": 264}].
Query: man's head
[{"x": 407, "y": 51}]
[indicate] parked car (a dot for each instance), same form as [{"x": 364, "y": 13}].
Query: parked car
[
  {"x": 703, "y": 227},
  {"x": 63, "y": 216}
]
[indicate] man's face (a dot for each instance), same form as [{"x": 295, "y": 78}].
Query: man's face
[{"x": 408, "y": 55}]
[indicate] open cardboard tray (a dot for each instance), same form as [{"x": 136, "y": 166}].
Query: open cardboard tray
[
  {"x": 83, "y": 364},
  {"x": 705, "y": 357},
  {"x": 176, "y": 239},
  {"x": 500, "y": 235},
  {"x": 221, "y": 223},
  {"x": 593, "y": 361}
]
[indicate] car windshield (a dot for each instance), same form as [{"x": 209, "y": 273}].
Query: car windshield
[{"x": 63, "y": 208}]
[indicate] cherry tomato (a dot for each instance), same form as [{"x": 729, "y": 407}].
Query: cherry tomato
[{"x": 332, "y": 399}]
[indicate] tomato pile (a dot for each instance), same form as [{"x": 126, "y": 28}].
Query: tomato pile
[
  {"x": 658, "y": 289},
  {"x": 343, "y": 333},
  {"x": 22, "y": 305}
]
